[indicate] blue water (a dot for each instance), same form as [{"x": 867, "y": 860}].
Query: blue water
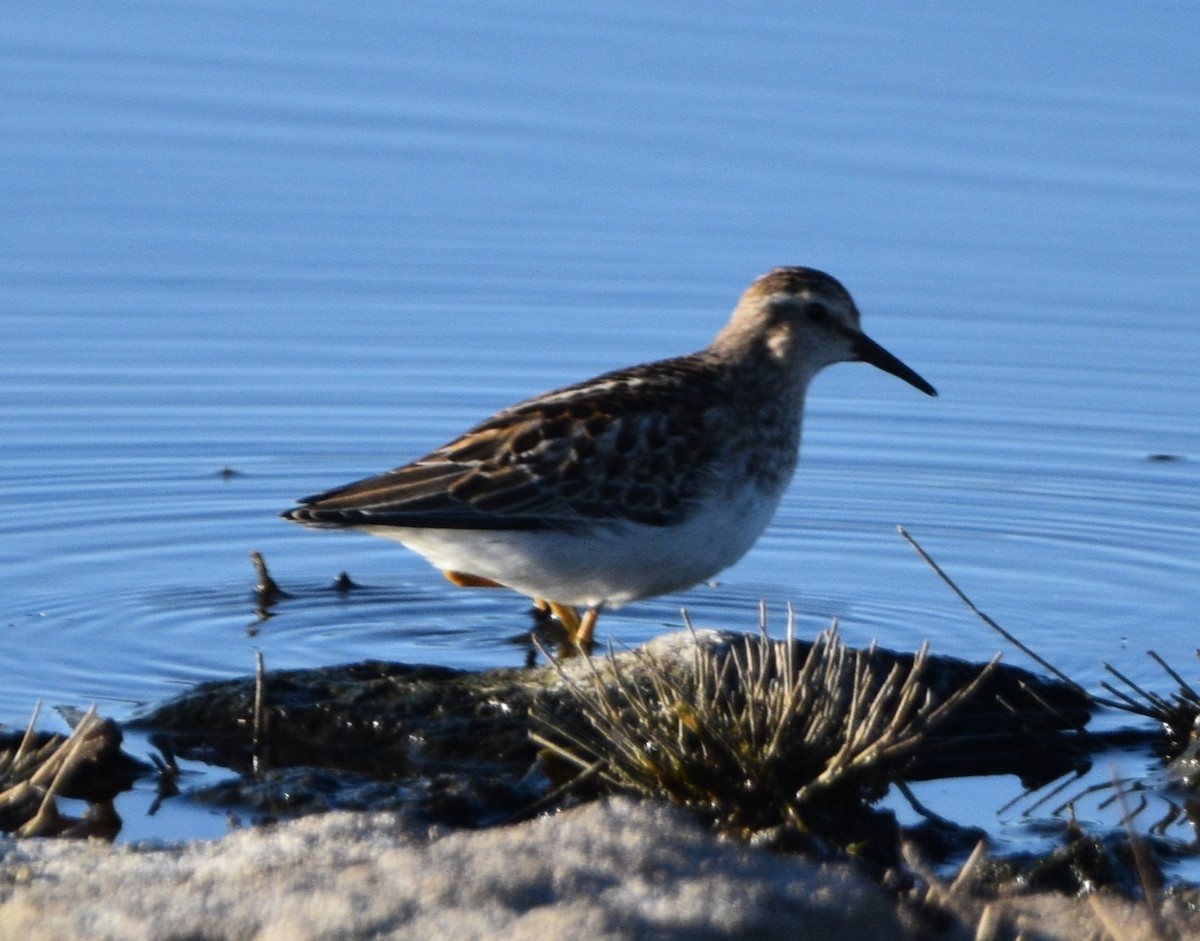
[{"x": 308, "y": 243}]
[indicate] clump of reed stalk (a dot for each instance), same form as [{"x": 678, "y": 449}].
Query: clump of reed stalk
[
  {"x": 1178, "y": 713},
  {"x": 33, "y": 773},
  {"x": 755, "y": 736}
]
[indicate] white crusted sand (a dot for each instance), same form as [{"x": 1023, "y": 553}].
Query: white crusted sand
[{"x": 614, "y": 869}]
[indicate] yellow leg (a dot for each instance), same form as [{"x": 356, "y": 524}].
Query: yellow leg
[
  {"x": 580, "y": 631},
  {"x": 587, "y": 628},
  {"x": 567, "y": 616},
  {"x": 467, "y": 580}
]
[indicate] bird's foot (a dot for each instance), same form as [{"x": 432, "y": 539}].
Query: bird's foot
[{"x": 580, "y": 630}]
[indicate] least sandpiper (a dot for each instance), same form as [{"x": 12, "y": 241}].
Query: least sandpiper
[{"x": 636, "y": 483}]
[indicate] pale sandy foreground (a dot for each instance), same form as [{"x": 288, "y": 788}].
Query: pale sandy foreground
[{"x": 611, "y": 870}]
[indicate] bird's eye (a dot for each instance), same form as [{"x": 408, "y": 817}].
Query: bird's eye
[{"x": 816, "y": 312}]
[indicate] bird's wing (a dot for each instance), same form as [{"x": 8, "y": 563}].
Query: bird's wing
[{"x": 626, "y": 446}]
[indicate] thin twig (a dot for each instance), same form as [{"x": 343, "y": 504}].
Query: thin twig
[
  {"x": 983, "y": 617},
  {"x": 553, "y": 796},
  {"x": 1147, "y": 876},
  {"x": 259, "y": 758},
  {"x": 18, "y": 757},
  {"x": 1153, "y": 698},
  {"x": 1184, "y": 687}
]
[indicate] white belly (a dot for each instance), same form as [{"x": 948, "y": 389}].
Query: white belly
[{"x": 612, "y": 565}]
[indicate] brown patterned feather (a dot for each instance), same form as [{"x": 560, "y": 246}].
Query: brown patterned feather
[{"x": 625, "y": 446}]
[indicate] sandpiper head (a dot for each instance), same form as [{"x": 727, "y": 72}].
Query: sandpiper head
[{"x": 805, "y": 320}]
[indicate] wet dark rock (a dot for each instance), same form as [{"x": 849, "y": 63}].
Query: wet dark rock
[
  {"x": 454, "y": 746},
  {"x": 102, "y": 769},
  {"x": 344, "y": 583},
  {"x": 372, "y": 717},
  {"x": 1084, "y": 864},
  {"x": 457, "y": 800},
  {"x": 450, "y": 746},
  {"x": 941, "y": 840},
  {"x": 89, "y": 766}
]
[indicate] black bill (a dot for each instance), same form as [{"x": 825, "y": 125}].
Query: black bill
[{"x": 871, "y": 352}]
